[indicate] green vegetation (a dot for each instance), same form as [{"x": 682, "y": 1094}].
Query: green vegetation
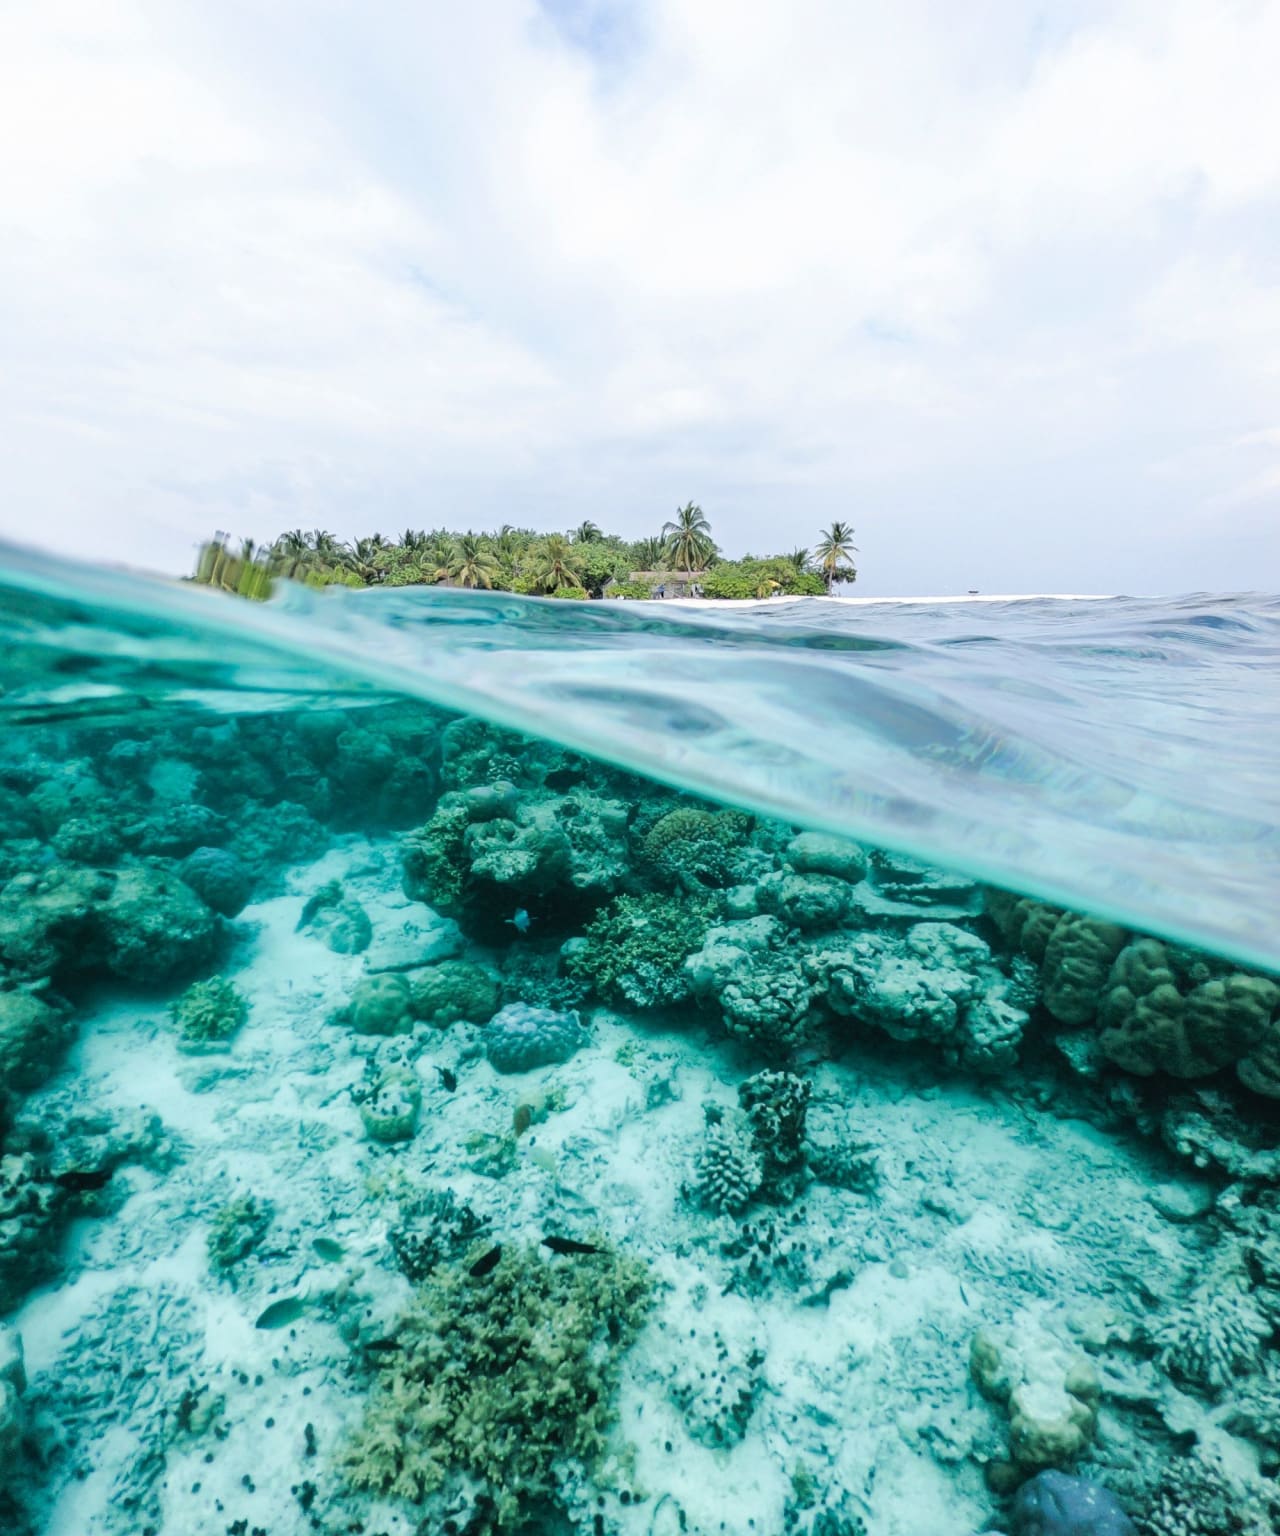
[
  {"x": 584, "y": 563},
  {"x": 501, "y": 1377}
]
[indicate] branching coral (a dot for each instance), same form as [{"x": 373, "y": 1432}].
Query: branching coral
[
  {"x": 636, "y": 948},
  {"x": 502, "y": 1377},
  {"x": 728, "y": 1170},
  {"x": 208, "y": 1014},
  {"x": 1216, "y": 1337}
]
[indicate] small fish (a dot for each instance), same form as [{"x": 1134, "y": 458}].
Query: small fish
[
  {"x": 382, "y": 1346},
  {"x": 328, "y": 1250},
  {"x": 521, "y": 921},
  {"x": 448, "y": 1079},
  {"x": 82, "y": 1180},
  {"x": 281, "y": 1313},
  {"x": 487, "y": 1264},
  {"x": 570, "y": 1245}
]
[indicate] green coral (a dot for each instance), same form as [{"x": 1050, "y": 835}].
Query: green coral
[
  {"x": 432, "y": 864},
  {"x": 209, "y": 1013},
  {"x": 236, "y": 1230},
  {"x": 502, "y": 1377},
  {"x": 636, "y": 948}
]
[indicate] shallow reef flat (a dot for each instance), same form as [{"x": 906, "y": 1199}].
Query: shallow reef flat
[{"x": 409, "y": 1127}]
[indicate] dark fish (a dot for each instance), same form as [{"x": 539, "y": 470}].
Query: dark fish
[
  {"x": 81, "y": 1180},
  {"x": 281, "y": 1313},
  {"x": 328, "y": 1250},
  {"x": 570, "y": 1245},
  {"x": 488, "y": 1263},
  {"x": 382, "y": 1346},
  {"x": 449, "y": 1079}
]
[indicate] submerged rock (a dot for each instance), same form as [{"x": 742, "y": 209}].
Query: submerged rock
[{"x": 1053, "y": 1504}]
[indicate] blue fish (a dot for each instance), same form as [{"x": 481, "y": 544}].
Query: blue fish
[{"x": 521, "y": 921}]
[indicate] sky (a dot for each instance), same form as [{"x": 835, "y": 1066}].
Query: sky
[{"x": 998, "y": 284}]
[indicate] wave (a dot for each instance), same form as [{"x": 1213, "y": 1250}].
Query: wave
[{"x": 1115, "y": 754}]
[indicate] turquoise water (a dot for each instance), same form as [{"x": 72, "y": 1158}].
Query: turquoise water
[{"x": 474, "y": 1063}]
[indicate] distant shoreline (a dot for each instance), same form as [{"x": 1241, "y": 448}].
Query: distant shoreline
[{"x": 965, "y": 597}]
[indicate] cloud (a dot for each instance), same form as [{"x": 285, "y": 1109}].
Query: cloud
[{"x": 997, "y": 288}]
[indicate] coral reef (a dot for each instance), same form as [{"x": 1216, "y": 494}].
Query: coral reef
[
  {"x": 1053, "y": 1504},
  {"x": 519, "y": 1038},
  {"x": 208, "y": 1014},
  {"x": 937, "y": 982},
  {"x": 775, "y": 1105},
  {"x": 390, "y": 1112},
  {"x": 236, "y": 1230},
  {"x": 1051, "y": 1395},
  {"x": 380, "y": 1005},
  {"x": 454, "y": 990},
  {"x": 502, "y": 1377},
  {"x": 634, "y": 950},
  {"x": 219, "y": 878},
  {"x": 728, "y": 1170},
  {"x": 340, "y": 924}
]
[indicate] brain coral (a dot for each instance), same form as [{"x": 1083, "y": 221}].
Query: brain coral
[
  {"x": 519, "y": 1037},
  {"x": 453, "y": 990}
]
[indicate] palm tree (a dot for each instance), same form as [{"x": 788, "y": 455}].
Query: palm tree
[
  {"x": 800, "y": 559},
  {"x": 363, "y": 558},
  {"x": 413, "y": 540},
  {"x": 437, "y": 559},
  {"x": 648, "y": 553},
  {"x": 291, "y": 553},
  {"x": 473, "y": 565},
  {"x": 552, "y": 564},
  {"x": 587, "y": 533},
  {"x": 834, "y": 548},
  {"x": 688, "y": 543}
]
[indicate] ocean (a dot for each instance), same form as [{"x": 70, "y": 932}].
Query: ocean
[{"x": 473, "y": 1064}]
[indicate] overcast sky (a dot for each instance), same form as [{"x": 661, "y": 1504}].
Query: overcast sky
[{"x": 998, "y": 283}]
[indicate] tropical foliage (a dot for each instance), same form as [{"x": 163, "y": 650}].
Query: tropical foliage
[
  {"x": 834, "y": 549},
  {"x": 584, "y": 563}
]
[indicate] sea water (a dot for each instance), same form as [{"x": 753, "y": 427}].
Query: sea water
[{"x": 471, "y": 1063}]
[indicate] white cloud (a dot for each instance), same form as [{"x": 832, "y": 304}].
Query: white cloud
[{"x": 974, "y": 282}]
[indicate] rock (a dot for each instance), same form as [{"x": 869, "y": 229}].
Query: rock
[
  {"x": 1053, "y": 1504},
  {"x": 1182, "y": 1202}
]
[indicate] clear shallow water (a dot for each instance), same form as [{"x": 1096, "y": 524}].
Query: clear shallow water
[
  {"x": 407, "y": 1124},
  {"x": 1116, "y": 754}
]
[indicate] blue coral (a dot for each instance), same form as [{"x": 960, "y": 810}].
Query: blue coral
[{"x": 520, "y": 1037}]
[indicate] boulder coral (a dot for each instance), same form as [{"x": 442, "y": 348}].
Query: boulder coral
[
  {"x": 519, "y": 1038},
  {"x": 455, "y": 990},
  {"x": 938, "y": 983},
  {"x": 390, "y": 1113},
  {"x": 219, "y": 878},
  {"x": 380, "y": 1005},
  {"x": 138, "y": 923},
  {"x": 1051, "y": 1394},
  {"x": 1155, "y": 1017}
]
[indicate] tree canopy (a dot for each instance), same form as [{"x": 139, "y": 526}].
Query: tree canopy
[{"x": 585, "y": 562}]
